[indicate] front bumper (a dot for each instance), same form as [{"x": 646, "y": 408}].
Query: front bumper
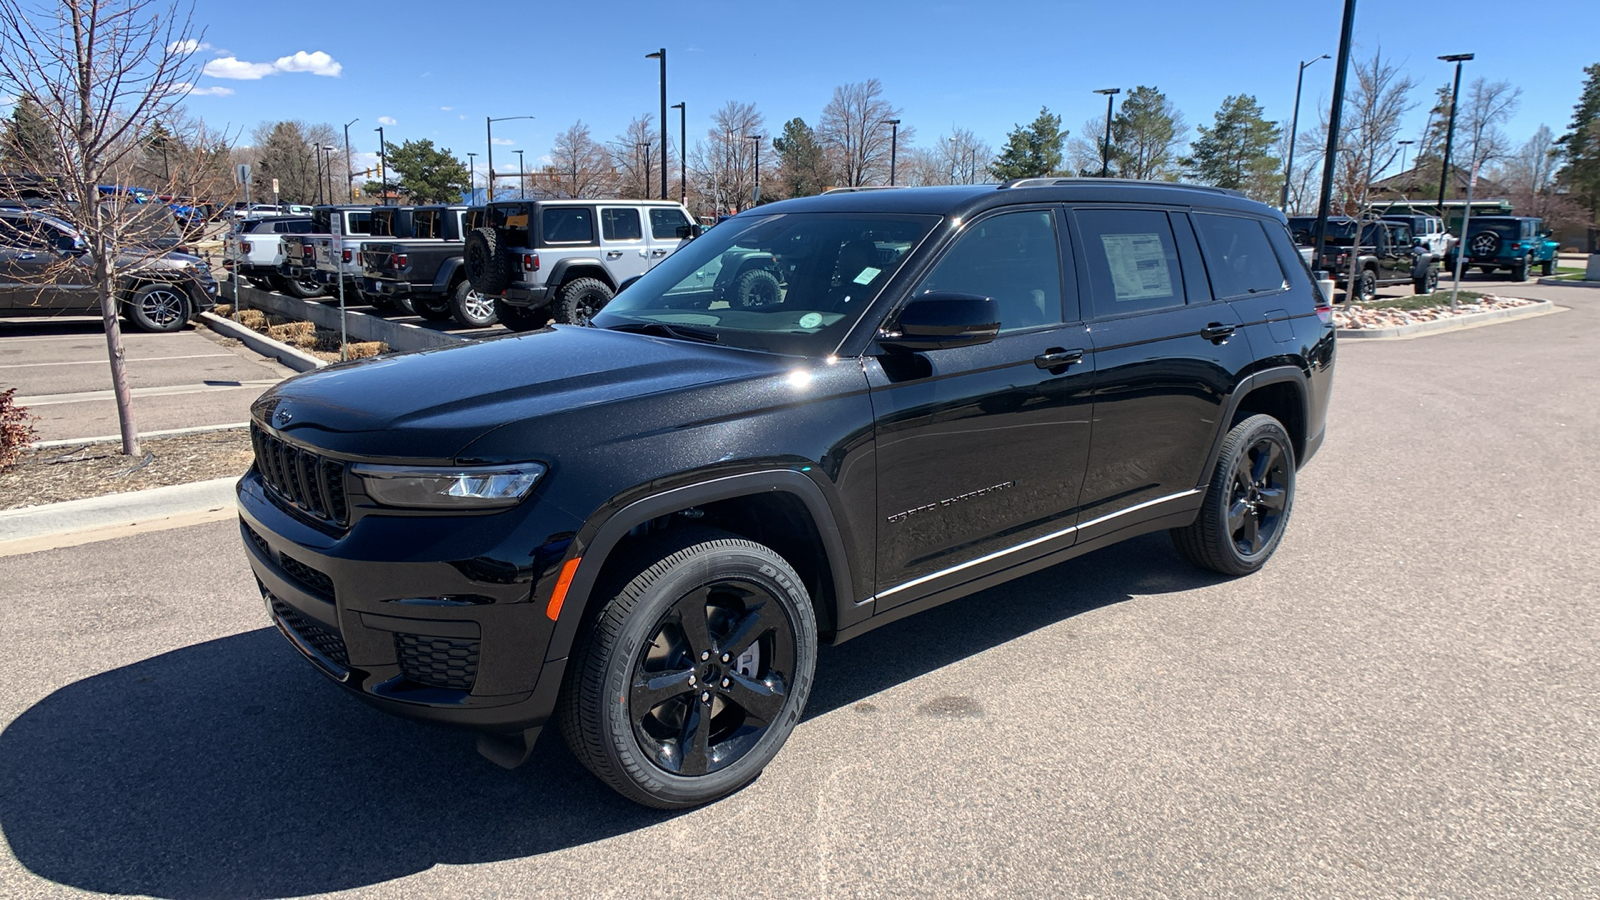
[{"x": 414, "y": 633}]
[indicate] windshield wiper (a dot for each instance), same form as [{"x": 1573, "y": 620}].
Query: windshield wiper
[{"x": 662, "y": 329}]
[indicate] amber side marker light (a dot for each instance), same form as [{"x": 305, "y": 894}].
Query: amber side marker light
[{"x": 559, "y": 595}]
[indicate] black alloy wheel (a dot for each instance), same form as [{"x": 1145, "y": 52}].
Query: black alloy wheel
[
  {"x": 1429, "y": 282},
  {"x": 756, "y": 288},
  {"x": 694, "y": 673},
  {"x": 581, "y": 299},
  {"x": 1367, "y": 285},
  {"x": 1247, "y": 505}
]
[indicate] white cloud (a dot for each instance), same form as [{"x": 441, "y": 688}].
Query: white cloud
[
  {"x": 503, "y": 142},
  {"x": 387, "y": 120},
  {"x": 462, "y": 116},
  {"x": 315, "y": 63},
  {"x": 448, "y": 108},
  {"x": 187, "y": 46},
  {"x": 184, "y": 88}
]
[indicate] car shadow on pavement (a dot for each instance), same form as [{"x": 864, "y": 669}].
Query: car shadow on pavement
[{"x": 230, "y": 768}]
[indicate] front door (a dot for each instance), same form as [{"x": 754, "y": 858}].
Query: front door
[
  {"x": 981, "y": 449},
  {"x": 35, "y": 274},
  {"x": 667, "y": 225},
  {"x": 622, "y": 243}
]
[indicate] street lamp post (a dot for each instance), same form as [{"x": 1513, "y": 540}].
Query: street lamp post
[
  {"x": 683, "y": 153},
  {"x": 349, "y": 182},
  {"x": 1294, "y": 131},
  {"x": 316, "y": 159},
  {"x": 488, "y": 130},
  {"x": 327, "y": 169},
  {"x": 1403, "y": 146},
  {"x": 1450, "y": 132},
  {"x": 662, "y": 55},
  {"x": 521, "y": 184},
  {"x": 894, "y": 140},
  {"x": 1105, "y": 148},
  {"x": 756, "y": 199},
  {"x": 472, "y": 170},
  {"x": 383, "y": 168}
]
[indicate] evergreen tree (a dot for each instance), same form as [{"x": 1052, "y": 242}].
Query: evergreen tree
[
  {"x": 802, "y": 167},
  {"x": 1236, "y": 151},
  {"x": 1032, "y": 150},
  {"x": 427, "y": 174},
  {"x": 27, "y": 144},
  {"x": 1580, "y": 148},
  {"x": 1145, "y": 134}
]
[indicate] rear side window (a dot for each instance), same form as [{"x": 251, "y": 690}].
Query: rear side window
[
  {"x": 620, "y": 225},
  {"x": 1132, "y": 260},
  {"x": 359, "y": 222},
  {"x": 567, "y": 225},
  {"x": 665, "y": 222},
  {"x": 299, "y": 226},
  {"x": 425, "y": 223}
]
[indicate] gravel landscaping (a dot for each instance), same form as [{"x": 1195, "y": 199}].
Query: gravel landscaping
[
  {"x": 91, "y": 470},
  {"x": 1411, "y": 311}
]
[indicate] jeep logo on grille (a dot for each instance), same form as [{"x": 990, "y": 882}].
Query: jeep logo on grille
[{"x": 284, "y": 416}]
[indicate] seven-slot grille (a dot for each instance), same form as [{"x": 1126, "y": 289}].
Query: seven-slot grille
[{"x": 310, "y": 483}]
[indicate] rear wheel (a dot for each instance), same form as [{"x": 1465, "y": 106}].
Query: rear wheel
[
  {"x": 1428, "y": 282},
  {"x": 695, "y": 671},
  {"x": 1519, "y": 270},
  {"x": 756, "y": 288},
  {"x": 304, "y": 288},
  {"x": 278, "y": 283},
  {"x": 158, "y": 307},
  {"x": 470, "y": 307},
  {"x": 1548, "y": 267},
  {"x": 1367, "y": 285},
  {"x": 521, "y": 318},
  {"x": 580, "y": 300},
  {"x": 1247, "y": 505}
]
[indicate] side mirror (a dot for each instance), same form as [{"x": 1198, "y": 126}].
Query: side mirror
[
  {"x": 689, "y": 232},
  {"x": 940, "y": 320}
]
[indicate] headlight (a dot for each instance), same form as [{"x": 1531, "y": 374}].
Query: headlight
[{"x": 449, "y": 487}]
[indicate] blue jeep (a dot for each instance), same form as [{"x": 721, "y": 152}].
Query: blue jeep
[{"x": 1514, "y": 243}]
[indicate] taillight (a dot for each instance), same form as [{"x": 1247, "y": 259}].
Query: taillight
[
  {"x": 347, "y": 256},
  {"x": 530, "y": 262},
  {"x": 244, "y": 246},
  {"x": 398, "y": 260}
]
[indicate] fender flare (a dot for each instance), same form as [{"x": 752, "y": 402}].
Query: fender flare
[
  {"x": 610, "y": 531},
  {"x": 558, "y": 272},
  {"x": 1274, "y": 375},
  {"x": 446, "y": 276}
]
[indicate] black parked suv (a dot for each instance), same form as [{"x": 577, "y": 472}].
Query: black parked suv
[
  {"x": 643, "y": 529},
  {"x": 1389, "y": 254}
]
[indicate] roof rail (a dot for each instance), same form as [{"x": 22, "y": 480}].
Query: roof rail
[
  {"x": 864, "y": 187},
  {"x": 1065, "y": 182}
]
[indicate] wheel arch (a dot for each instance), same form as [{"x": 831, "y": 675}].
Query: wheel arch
[
  {"x": 1281, "y": 392},
  {"x": 579, "y": 267},
  {"x": 780, "y": 508}
]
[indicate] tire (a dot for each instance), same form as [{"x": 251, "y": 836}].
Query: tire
[
  {"x": 1519, "y": 270},
  {"x": 1548, "y": 267},
  {"x": 521, "y": 318},
  {"x": 1484, "y": 243},
  {"x": 1428, "y": 283},
  {"x": 756, "y": 288},
  {"x": 430, "y": 307},
  {"x": 278, "y": 283},
  {"x": 1247, "y": 505},
  {"x": 305, "y": 289},
  {"x": 486, "y": 261},
  {"x": 580, "y": 299},
  {"x": 158, "y": 308},
  {"x": 643, "y": 685},
  {"x": 470, "y": 308},
  {"x": 1367, "y": 285}
]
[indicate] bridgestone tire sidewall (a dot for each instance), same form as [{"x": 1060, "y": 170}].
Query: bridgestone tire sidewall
[{"x": 717, "y": 559}]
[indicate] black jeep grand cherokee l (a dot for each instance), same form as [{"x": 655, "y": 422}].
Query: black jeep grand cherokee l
[{"x": 644, "y": 528}]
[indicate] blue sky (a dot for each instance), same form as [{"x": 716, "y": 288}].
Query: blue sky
[{"x": 436, "y": 70}]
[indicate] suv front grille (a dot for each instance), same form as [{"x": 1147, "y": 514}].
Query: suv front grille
[
  {"x": 312, "y": 484},
  {"x": 326, "y": 642},
  {"x": 438, "y": 661}
]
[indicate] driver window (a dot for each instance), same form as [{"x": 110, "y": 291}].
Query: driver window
[{"x": 1013, "y": 258}]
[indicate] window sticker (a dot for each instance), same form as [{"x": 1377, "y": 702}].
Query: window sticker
[
  {"x": 1139, "y": 269},
  {"x": 867, "y": 275}
]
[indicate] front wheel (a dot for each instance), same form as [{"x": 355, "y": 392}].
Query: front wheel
[
  {"x": 1247, "y": 505},
  {"x": 1367, "y": 285},
  {"x": 158, "y": 307},
  {"x": 1548, "y": 267},
  {"x": 1519, "y": 270},
  {"x": 695, "y": 671},
  {"x": 1428, "y": 283}
]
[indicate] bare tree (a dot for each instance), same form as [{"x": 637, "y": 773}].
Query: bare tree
[
  {"x": 579, "y": 166},
  {"x": 1081, "y": 155},
  {"x": 635, "y": 155},
  {"x": 1373, "y": 110},
  {"x": 1529, "y": 177},
  {"x": 105, "y": 73},
  {"x": 855, "y": 133},
  {"x": 1305, "y": 181},
  {"x": 722, "y": 167},
  {"x": 1486, "y": 107}
]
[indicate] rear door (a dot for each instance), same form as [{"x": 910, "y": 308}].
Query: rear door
[
  {"x": 666, "y": 228},
  {"x": 34, "y": 274},
  {"x": 622, "y": 243},
  {"x": 1167, "y": 356},
  {"x": 1394, "y": 254}
]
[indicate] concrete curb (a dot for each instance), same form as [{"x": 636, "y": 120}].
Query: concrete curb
[
  {"x": 143, "y": 435},
  {"x": 111, "y": 510},
  {"x": 1564, "y": 282},
  {"x": 1452, "y": 324},
  {"x": 293, "y": 357},
  {"x": 359, "y": 325}
]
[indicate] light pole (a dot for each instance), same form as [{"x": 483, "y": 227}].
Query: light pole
[
  {"x": 1403, "y": 146},
  {"x": 1294, "y": 132},
  {"x": 327, "y": 169},
  {"x": 1450, "y": 132},
  {"x": 662, "y": 55},
  {"x": 1105, "y": 148},
  {"x": 383, "y": 168},
  {"x": 683, "y": 153},
  {"x": 472, "y": 170},
  {"x": 488, "y": 130},
  {"x": 349, "y": 182},
  {"x": 316, "y": 158},
  {"x": 756, "y": 199},
  {"x": 1335, "y": 110},
  {"x": 894, "y": 140},
  {"x": 521, "y": 184}
]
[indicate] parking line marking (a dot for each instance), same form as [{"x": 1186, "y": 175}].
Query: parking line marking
[
  {"x": 169, "y": 390},
  {"x": 96, "y": 362}
]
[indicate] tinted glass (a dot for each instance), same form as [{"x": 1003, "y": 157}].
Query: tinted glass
[
  {"x": 664, "y": 223},
  {"x": 1132, "y": 260},
  {"x": 300, "y": 226},
  {"x": 425, "y": 223},
  {"x": 1015, "y": 259},
  {"x": 1238, "y": 256},
  {"x": 790, "y": 283},
  {"x": 360, "y": 222},
  {"x": 621, "y": 225},
  {"x": 567, "y": 225}
]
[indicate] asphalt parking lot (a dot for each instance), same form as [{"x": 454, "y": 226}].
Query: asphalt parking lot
[
  {"x": 1405, "y": 702},
  {"x": 179, "y": 380}
]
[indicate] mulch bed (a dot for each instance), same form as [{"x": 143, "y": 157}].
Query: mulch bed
[
  {"x": 1363, "y": 317},
  {"x": 91, "y": 470}
]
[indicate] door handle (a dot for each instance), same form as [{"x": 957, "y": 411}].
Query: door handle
[
  {"x": 613, "y": 254},
  {"x": 1057, "y": 358},
  {"x": 658, "y": 252},
  {"x": 1217, "y": 332},
  {"x": 27, "y": 256}
]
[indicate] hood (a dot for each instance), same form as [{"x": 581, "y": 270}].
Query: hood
[{"x": 430, "y": 404}]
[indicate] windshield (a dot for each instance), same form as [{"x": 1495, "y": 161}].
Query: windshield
[
  {"x": 1339, "y": 231},
  {"x": 791, "y": 283}
]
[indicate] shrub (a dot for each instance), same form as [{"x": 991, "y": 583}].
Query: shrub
[{"x": 16, "y": 428}]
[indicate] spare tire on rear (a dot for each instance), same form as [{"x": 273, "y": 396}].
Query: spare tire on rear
[{"x": 487, "y": 263}]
